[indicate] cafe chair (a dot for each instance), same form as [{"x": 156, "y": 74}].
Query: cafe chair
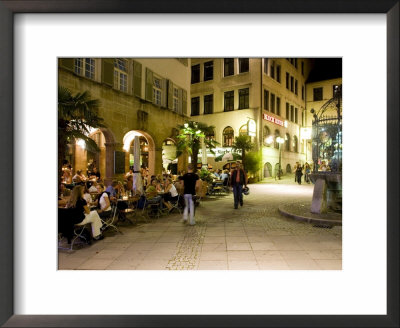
[
  {"x": 111, "y": 220},
  {"x": 175, "y": 205},
  {"x": 69, "y": 227}
]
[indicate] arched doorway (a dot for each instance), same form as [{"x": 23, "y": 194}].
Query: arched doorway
[
  {"x": 276, "y": 169},
  {"x": 267, "y": 170},
  {"x": 147, "y": 150},
  {"x": 288, "y": 168},
  {"x": 170, "y": 161}
]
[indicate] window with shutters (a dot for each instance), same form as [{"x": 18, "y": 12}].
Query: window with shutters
[
  {"x": 266, "y": 99},
  {"x": 317, "y": 93},
  {"x": 196, "y": 73},
  {"x": 208, "y": 71},
  {"x": 296, "y": 113},
  {"x": 208, "y": 104},
  {"x": 243, "y": 65},
  {"x": 228, "y": 66},
  {"x": 295, "y": 87},
  {"x": 291, "y": 83},
  {"x": 157, "y": 91},
  {"x": 244, "y": 98},
  {"x": 295, "y": 144},
  {"x": 195, "y": 106},
  {"x": 121, "y": 75},
  {"x": 85, "y": 67},
  {"x": 176, "y": 100},
  {"x": 228, "y": 136},
  {"x": 302, "y": 92},
  {"x": 228, "y": 101},
  {"x": 287, "y": 142}
]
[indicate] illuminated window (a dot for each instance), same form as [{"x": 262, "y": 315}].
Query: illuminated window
[
  {"x": 228, "y": 101},
  {"x": 244, "y": 98},
  {"x": 228, "y": 137},
  {"x": 266, "y": 135},
  {"x": 243, "y": 130},
  {"x": 276, "y": 143},
  {"x": 228, "y": 66},
  {"x": 121, "y": 75},
  {"x": 210, "y": 135}
]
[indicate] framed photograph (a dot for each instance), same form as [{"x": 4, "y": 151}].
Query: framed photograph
[{"x": 35, "y": 34}]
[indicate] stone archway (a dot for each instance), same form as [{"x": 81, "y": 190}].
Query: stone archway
[
  {"x": 267, "y": 170},
  {"x": 147, "y": 147}
]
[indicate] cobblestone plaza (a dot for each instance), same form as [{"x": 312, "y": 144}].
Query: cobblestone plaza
[{"x": 254, "y": 237}]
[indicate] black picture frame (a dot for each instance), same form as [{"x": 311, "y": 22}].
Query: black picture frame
[{"x": 7, "y": 11}]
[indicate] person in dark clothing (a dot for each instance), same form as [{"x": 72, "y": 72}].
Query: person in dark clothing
[
  {"x": 189, "y": 191},
  {"x": 238, "y": 179},
  {"x": 299, "y": 173}
]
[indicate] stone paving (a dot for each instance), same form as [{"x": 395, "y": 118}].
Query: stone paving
[{"x": 254, "y": 237}]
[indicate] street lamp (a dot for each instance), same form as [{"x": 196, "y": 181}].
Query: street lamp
[{"x": 280, "y": 141}]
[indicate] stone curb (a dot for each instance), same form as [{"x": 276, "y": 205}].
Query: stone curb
[{"x": 309, "y": 219}]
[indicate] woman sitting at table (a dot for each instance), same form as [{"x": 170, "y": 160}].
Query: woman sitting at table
[
  {"x": 152, "y": 193},
  {"x": 86, "y": 194},
  {"x": 79, "y": 204},
  {"x": 171, "y": 194},
  {"x": 104, "y": 205}
]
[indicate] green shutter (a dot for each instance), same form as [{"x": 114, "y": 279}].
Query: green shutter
[
  {"x": 149, "y": 85},
  {"x": 170, "y": 94},
  {"x": 184, "y": 102},
  {"x": 137, "y": 79},
  {"x": 67, "y": 63},
  {"x": 107, "y": 71}
]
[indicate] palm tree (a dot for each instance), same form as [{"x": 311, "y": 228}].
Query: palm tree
[
  {"x": 189, "y": 139},
  {"x": 243, "y": 144},
  {"x": 76, "y": 115}
]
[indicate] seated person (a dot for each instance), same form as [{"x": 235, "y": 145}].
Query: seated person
[
  {"x": 152, "y": 194},
  {"x": 171, "y": 194},
  {"x": 93, "y": 187},
  {"x": 130, "y": 173},
  {"x": 225, "y": 177},
  {"x": 78, "y": 177},
  {"x": 129, "y": 184},
  {"x": 95, "y": 174},
  {"x": 114, "y": 190},
  {"x": 104, "y": 205},
  {"x": 79, "y": 204}
]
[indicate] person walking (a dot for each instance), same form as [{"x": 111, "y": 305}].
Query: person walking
[
  {"x": 189, "y": 191},
  {"x": 299, "y": 173},
  {"x": 307, "y": 171},
  {"x": 238, "y": 179}
]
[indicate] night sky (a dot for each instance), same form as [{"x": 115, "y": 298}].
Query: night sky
[{"x": 325, "y": 69}]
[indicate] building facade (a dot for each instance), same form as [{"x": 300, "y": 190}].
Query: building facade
[
  {"x": 319, "y": 92},
  {"x": 260, "y": 97},
  {"x": 142, "y": 97}
]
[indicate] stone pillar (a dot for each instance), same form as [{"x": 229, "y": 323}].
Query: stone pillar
[
  {"x": 109, "y": 175},
  {"x": 136, "y": 154},
  {"x": 80, "y": 160},
  {"x": 158, "y": 161},
  {"x": 318, "y": 204}
]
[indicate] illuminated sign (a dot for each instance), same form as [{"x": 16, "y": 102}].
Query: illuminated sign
[
  {"x": 217, "y": 150},
  {"x": 251, "y": 128},
  {"x": 273, "y": 119},
  {"x": 305, "y": 133}
]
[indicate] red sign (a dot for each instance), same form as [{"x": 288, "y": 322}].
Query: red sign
[{"x": 273, "y": 119}]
